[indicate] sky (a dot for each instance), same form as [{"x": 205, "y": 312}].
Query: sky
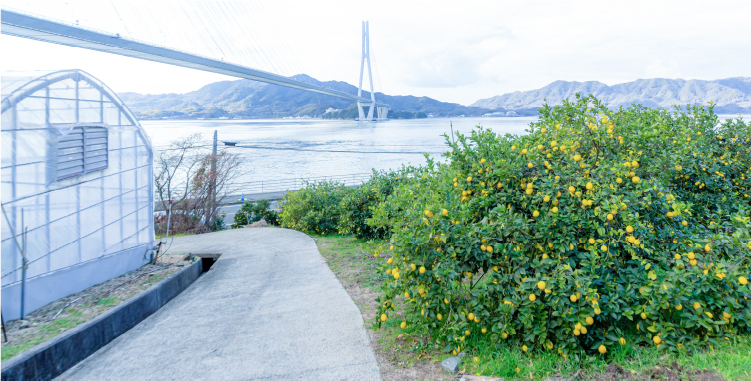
[{"x": 453, "y": 51}]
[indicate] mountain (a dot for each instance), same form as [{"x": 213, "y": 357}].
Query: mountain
[
  {"x": 731, "y": 95},
  {"x": 250, "y": 99}
]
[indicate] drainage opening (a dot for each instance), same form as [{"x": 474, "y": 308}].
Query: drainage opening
[{"x": 207, "y": 260}]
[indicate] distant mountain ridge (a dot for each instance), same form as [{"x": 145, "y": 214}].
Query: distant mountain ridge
[
  {"x": 250, "y": 99},
  {"x": 730, "y": 95}
]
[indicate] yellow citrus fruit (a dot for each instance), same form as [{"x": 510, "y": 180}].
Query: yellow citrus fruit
[
  {"x": 577, "y": 332},
  {"x": 591, "y": 241},
  {"x": 439, "y": 316},
  {"x": 643, "y": 315},
  {"x": 445, "y": 212},
  {"x": 635, "y": 179},
  {"x": 535, "y": 214},
  {"x": 471, "y": 316},
  {"x": 604, "y": 248},
  {"x": 532, "y": 297},
  {"x": 622, "y": 341},
  {"x": 597, "y": 311},
  {"x": 577, "y": 157},
  {"x": 466, "y": 333},
  {"x": 482, "y": 161},
  {"x": 697, "y": 305},
  {"x": 484, "y": 330},
  {"x": 524, "y": 348},
  {"x": 390, "y": 261},
  {"x": 684, "y": 223},
  {"x": 396, "y": 275},
  {"x": 635, "y": 164},
  {"x": 403, "y": 325},
  {"x": 504, "y": 335},
  {"x": 530, "y": 165},
  {"x": 629, "y": 229},
  {"x": 679, "y": 307},
  {"x": 619, "y": 180},
  {"x": 541, "y": 285},
  {"x": 546, "y": 199},
  {"x": 524, "y": 152},
  {"x": 383, "y": 317},
  {"x": 742, "y": 280},
  {"x": 589, "y": 186},
  {"x": 677, "y": 256},
  {"x": 707, "y": 248},
  {"x": 589, "y": 320},
  {"x": 602, "y": 349},
  {"x": 657, "y": 339},
  {"x": 691, "y": 255},
  {"x": 571, "y": 189},
  {"x": 610, "y": 217},
  {"x": 422, "y": 269},
  {"x": 572, "y": 298},
  {"x": 554, "y": 210}
]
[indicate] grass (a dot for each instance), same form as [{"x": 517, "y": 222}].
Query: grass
[
  {"x": 47, "y": 331},
  {"x": 172, "y": 235},
  {"x": 352, "y": 261}
]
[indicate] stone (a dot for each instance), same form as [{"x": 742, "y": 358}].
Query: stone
[
  {"x": 23, "y": 324},
  {"x": 451, "y": 364},
  {"x": 258, "y": 224}
]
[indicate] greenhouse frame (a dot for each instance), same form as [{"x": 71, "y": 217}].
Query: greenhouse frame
[{"x": 77, "y": 188}]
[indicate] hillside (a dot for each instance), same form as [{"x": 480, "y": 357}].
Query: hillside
[
  {"x": 250, "y": 99},
  {"x": 731, "y": 95}
]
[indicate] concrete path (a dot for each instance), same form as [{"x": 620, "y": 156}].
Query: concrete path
[{"x": 269, "y": 308}]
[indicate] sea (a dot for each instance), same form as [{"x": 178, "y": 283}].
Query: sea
[{"x": 278, "y": 154}]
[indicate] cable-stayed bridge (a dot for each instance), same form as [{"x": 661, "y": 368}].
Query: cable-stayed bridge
[{"x": 57, "y": 32}]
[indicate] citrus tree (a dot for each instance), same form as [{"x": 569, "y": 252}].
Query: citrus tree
[{"x": 584, "y": 230}]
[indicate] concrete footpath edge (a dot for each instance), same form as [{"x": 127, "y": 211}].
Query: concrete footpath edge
[{"x": 52, "y": 358}]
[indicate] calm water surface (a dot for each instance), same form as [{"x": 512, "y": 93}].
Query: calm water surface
[{"x": 381, "y": 145}]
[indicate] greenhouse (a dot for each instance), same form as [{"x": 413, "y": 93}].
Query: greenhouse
[{"x": 77, "y": 188}]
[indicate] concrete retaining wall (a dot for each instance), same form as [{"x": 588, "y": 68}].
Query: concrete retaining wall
[{"x": 50, "y": 359}]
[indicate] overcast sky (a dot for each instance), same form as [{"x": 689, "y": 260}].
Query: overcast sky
[{"x": 453, "y": 51}]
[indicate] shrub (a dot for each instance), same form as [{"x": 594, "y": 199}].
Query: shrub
[
  {"x": 252, "y": 212},
  {"x": 566, "y": 238},
  {"x": 316, "y": 208},
  {"x": 358, "y": 203}
]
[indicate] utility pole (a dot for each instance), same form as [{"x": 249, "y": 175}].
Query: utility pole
[{"x": 212, "y": 187}]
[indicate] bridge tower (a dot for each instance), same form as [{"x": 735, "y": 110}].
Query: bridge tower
[{"x": 382, "y": 111}]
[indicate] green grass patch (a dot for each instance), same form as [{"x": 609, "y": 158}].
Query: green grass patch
[
  {"x": 172, "y": 235},
  {"x": 47, "y": 331}
]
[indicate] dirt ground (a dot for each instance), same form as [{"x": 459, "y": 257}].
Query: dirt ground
[
  {"x": 73, "y": 310},
  {"x": 671, "y": 372}
]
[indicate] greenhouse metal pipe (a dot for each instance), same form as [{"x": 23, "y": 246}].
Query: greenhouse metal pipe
[{"x": 24, "y": 263}]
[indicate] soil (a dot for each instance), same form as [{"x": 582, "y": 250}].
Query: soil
[
  {"x": 671, "y": 372},
  {"x": 73, "y": 310}
]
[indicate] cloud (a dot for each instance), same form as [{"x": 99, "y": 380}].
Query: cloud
[{"x": 656, "y": 69}]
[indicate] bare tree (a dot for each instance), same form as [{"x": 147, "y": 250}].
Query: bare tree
[
  {"x": 186, "y": 176},
  {"x": 175, "y": 169}
]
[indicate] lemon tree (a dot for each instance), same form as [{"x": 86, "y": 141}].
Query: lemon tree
[{"x": 584, "y": 229}]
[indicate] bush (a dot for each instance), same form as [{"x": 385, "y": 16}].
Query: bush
[
  {"x": 250, "y": 213},
  {"x": 358, "y": 203},
  {"x": 585, "y": 229},
  {"x": 313, "y": 209}
]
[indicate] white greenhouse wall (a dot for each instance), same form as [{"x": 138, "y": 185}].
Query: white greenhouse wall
[{"x": 77, "y": 172}]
